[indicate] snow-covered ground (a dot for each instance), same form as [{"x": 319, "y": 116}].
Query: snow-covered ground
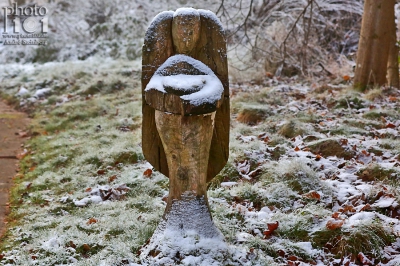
[
  {"x": 313, "y": 173},
  {"x": 312, "y": 177}
]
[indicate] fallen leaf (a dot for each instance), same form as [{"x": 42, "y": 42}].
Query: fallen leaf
[
  {"x": 148, "y": 172},
  {"x": 365, "y": 152},
  {"x": 363, "y": 259},
  {"x": 312, "y": 195},
  {"x": 318, "y": 157},
  {"x": 71, "y": 244},
  {"x": 390, "y": 125},
  {"x": 335, "y": 215},
  {"x": 349, "y": 208},
  {"x": 392, "y": 98},
  {"x": 346, "y": 78},
  {"x": 273, "y": 226},
  {"x": 88, "y": 189},
  {"x": 296, "y": 149},
  {"x": 112, "y": 178},
  {"x": 22, "y": 155},
  {"x": 101, "y": 172},
  {"x": 86, "y": 247},
  {"x": 92, "y": 221},
  {"x": 23, "y": 134},
  {"x": 269, "y": 75},
  {"x": 366, "y": 207},
  {"x": 333, "y": 224},
  {"x": 281, "y": 253}
]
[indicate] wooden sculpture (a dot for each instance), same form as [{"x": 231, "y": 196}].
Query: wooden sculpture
[
  {"x": 207, "y": 45},
  {"x": 185, "y": 119}
]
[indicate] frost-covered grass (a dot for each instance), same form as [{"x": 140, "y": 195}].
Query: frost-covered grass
[{"x": 322, "y": 161}]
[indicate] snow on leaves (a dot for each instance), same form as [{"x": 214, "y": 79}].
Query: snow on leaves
[{"x": 103, "y": 193}]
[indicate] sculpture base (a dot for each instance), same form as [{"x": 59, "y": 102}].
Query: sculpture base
[{"x": 186, "y": 236}]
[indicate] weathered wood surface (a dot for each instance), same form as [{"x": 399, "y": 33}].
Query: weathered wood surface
[
  {"x": 186, "y": 141},
  {"x": 209, "y": 48}
]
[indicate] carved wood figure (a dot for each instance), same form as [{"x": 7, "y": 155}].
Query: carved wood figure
[
  {"x": 185, "y": 116},
  {"x": 204, "y": 42}
]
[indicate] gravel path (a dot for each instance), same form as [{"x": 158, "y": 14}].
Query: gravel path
[{"x": 12, "y": 124}]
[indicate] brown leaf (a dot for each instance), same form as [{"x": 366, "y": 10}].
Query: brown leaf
[
  {"x": 89, "y": 189},
  {"x": 281, "y": 253},
  {"x": 333, "y": 224},
  {"x": 92, "y": 221},
  {"x": 22, "y": 155},
  {"x": 318, "y": 157},
  {"x": 148, "y": 172},
  {"x": 273, "y": 226},
  {"x": 101, "y": 172},
  {"x": 349, "y": 208},
  {"x": 390, "y": 125},
  {"x": 312, "y": 195},
  {"x": 392, "y": 98},
  {"x": 86, "y": 247},
  {"x": 335, "y": 215},
  {"x": 346, "y": 78},
  {"x": 165, "y": 198},
  {"x": 363, "y": 259},
  {"x": 23, "y": 134},
  {"x": 112, "y": 178},
  {"x": 296, "y": 149},
  {"x": 366, "y": 207},
  {"x": 71, "y": 244},
  {"x": 267, "y": 233}
]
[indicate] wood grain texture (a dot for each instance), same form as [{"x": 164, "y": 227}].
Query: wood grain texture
[
  {"x": 374, "y": 43},
  {"x": 157, "y": 48},
  {"x": 186, "y": 141},
  {"x": 210, "y": 49}
]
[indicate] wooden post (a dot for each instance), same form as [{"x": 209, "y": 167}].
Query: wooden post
[{"x": 186, "y": 114}]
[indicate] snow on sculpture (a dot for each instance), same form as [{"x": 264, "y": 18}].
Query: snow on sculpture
[{"x": 185, "y": 131}]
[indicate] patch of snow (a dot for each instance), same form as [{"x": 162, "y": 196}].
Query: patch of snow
[
  {"x": 186, "y": 11},
  {"x": 22, "y": 91},
  {"x": 187, "y": 230},
  {"x": 386, "y": 202},
  {"x": 52, "y": 243},
  {"x": 42, "y": 92},
  {"x": 359, "y": 218},
  {"x": 206, "y": 88},
  {"x": 210, "y": 15},
  {"x": 228, "y": 184}
]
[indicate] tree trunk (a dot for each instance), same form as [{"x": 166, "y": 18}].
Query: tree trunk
[
  {"x": 393, "y": 62},
  {"x": 374, "y": 43}
]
